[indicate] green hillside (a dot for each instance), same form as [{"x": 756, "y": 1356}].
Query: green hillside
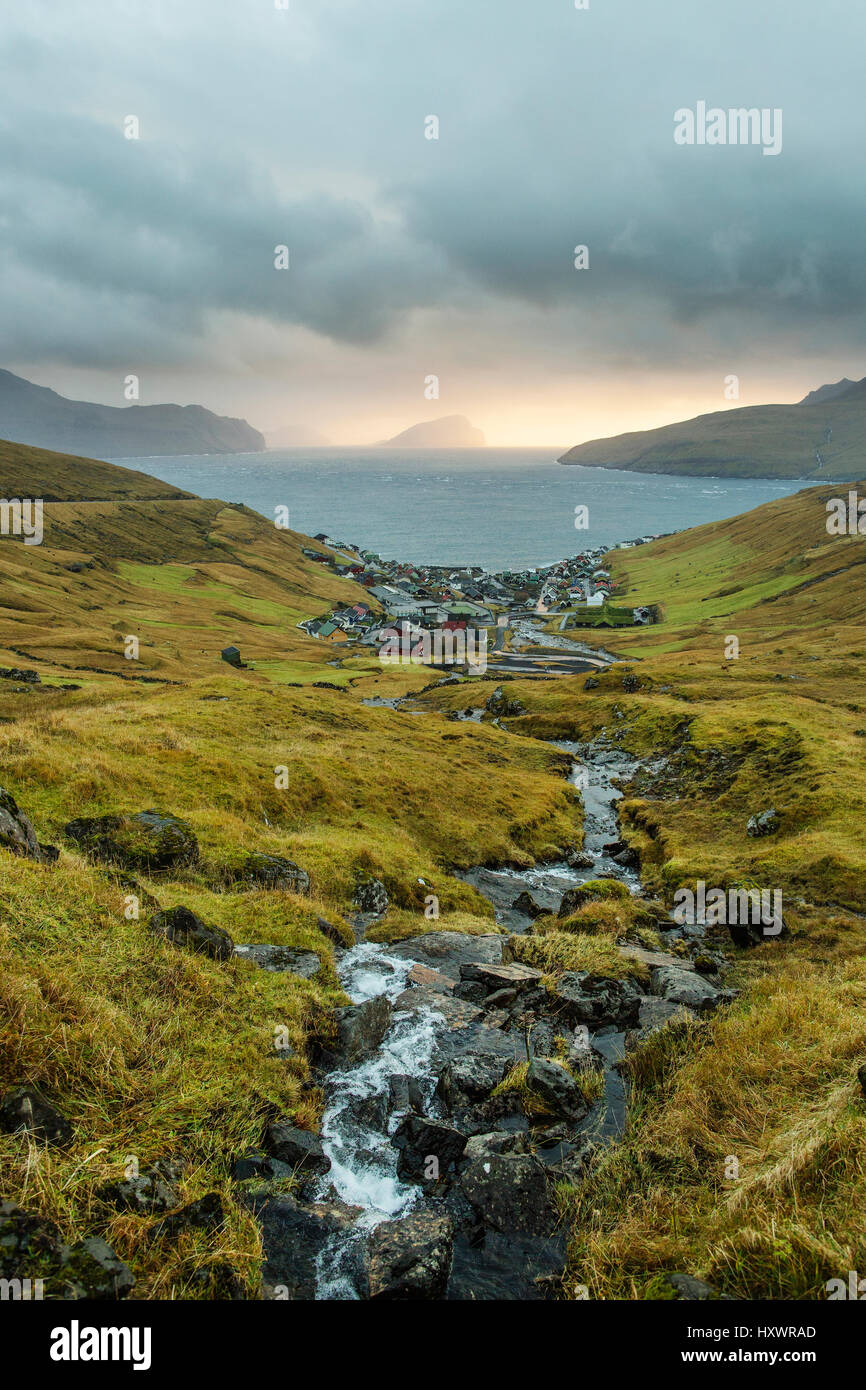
[{"x": 760, "y": 441}]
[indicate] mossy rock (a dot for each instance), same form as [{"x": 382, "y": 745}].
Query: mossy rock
[{"x": 146, "y": 840}]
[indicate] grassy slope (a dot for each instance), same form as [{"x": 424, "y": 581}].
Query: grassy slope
[
  {"x": 771, "y": 1081},
  {"x": 152, "y": 1050},
  {"x": 769, "y": 441}
]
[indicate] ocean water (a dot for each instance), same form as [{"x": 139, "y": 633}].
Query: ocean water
[{"x": 500, "y": 508}]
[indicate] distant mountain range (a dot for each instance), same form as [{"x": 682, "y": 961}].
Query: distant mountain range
[
  {"x": 822, "y": 436},
  {"x": 448, "y": 432},
  {"x": 36, "y": 415}
]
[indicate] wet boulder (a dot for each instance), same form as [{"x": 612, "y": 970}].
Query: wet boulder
[
  {"x": 273, "y": 872},
  {"x": 149, "y": 841},
  {"x": 509, "y": 1192},
  {"x": 428, "y": 1150},
  {"x": 297, "y": 1147},
  {"x": 404, "y": 1094},
  {"x": 25, "y": 1108},
  {"x": 685, "y": 987},
  {"x": 596, "y": 1000},
  {"x": 293, "y": 1237},
  {"x": 470, "y": 1078},
  {"x": 497, "y": 1141},
  {"x": 182, "y": 927},
  {"x": 578, "y": 859},
  {"x": 411, "y": 1258},
  {"x": 556, "y": 1088},
  {"x": 361, "y": 1028}
]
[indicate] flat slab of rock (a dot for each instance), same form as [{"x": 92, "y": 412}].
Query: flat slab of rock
[
  {"x": 497, "y": 977},
  {"x": 282, "y": 959},
  {"x": 684, "y": 987},
  {"x": 654, "y": 1012},
  {"x": 411, "y": 1258},
  {"x": 446, "y": 951},
  {"x": 654, "y": 958},
  {"x": 428, "y": 978}
]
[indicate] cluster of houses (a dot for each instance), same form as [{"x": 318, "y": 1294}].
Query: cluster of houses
[{"x": 415, "y": 599}]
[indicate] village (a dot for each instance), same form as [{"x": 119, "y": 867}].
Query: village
[{"x": 419, "y": 599}]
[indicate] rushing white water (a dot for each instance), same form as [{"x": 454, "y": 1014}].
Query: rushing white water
[{"x": 363, "y": 1159}]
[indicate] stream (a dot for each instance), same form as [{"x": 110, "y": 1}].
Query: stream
[{"x": 428, "y": 1030}]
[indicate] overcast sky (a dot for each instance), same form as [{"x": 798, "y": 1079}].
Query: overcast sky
[{"x": 412, "y": 257}]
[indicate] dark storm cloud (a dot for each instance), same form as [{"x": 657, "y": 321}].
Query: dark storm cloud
[{"x": 306, "y": 128}]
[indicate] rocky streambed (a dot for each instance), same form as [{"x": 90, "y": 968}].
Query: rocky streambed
[{"x": 431, "y": 1178}]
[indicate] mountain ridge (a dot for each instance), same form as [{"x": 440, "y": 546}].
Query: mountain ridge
[
  {"x": 821, "y": 436},
  {"x": 38, "y": 416}
]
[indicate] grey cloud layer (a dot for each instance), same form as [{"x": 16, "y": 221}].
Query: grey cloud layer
[{"x": 261, "y": 127}]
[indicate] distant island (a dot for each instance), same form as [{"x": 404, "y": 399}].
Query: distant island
[
  {"x": 448, "y": 432},
  {"x": 36, "y": 415},
  {"x": 824, "y": 435}
]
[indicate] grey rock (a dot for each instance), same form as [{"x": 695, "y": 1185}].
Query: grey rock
[
  {"x": 496, "y": 1142},
  {"x": 404, "y": 1094},
  {"x": 684, "y": 987},
  {"x": 687, "y": 1287},
  {"x": 556, "y": 1088},
  {"x": 293, "y": 1236},
  {"x": 411, "y": 1258},
  {"x": 16, "y": 832},
  {"x": 371, "y": 896},
  {"x": 147, "y": 840},
  {"x": 469, "y": 1079},
  {"x": 297, "y": 1147},
  {"x": 182, "y": 927},
  {"x": 282, "y": 959},
  {"x": 596, "y": 999},
  {"x": 509, "y": 1192},
  {"x": 418, "y": 1140},
  {"x": 93, "y": 1271},
  {"x": 361, "y": 1028},
  {"x": 764, "y": 823},
  {"x": 274, "y": 872}
]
